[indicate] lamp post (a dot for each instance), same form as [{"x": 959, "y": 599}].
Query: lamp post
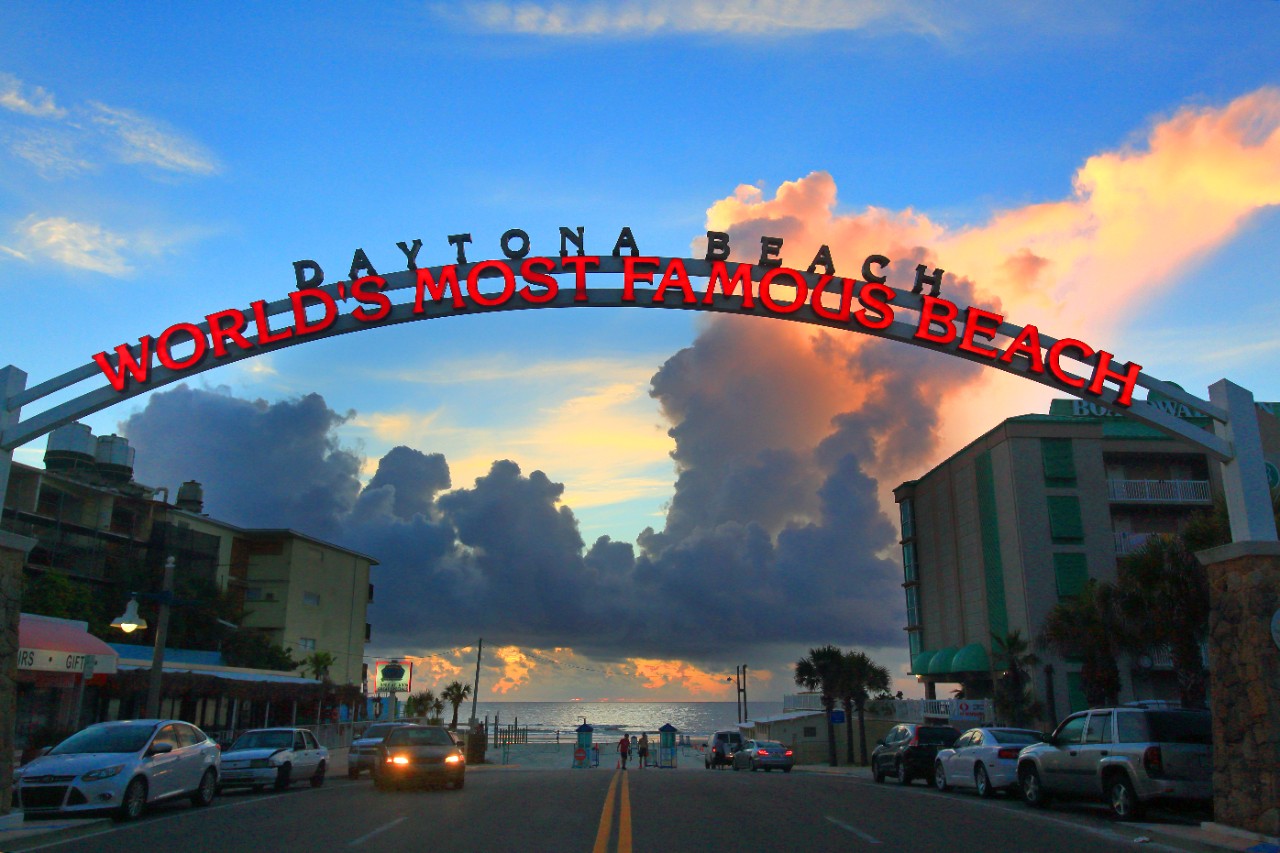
[{"x": 131, "y": 621}]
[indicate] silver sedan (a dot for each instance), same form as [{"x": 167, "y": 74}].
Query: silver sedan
[
  {"x": 985, "y": 759},
  {"x": 763, "y": 755}
]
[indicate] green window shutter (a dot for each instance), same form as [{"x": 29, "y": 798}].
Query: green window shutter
[
  {"x": 1065, "y": 523},
  {"x": 1075, "y": 692},
  {"x": 1059, "y": 462},
  {"x": 1071, "y": 572}
]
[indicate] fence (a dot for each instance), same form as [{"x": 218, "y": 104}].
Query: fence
[{"x": 1160, "y": 491}]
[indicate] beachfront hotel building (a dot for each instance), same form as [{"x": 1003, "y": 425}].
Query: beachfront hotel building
[
  {"x": 996, "y": 535},
  {"x": 94, "y": 524}
]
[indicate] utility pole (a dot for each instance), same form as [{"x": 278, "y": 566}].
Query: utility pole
[
  {"x": 162, "y": 633},
  {"x": 741, "y": 672},
  {"x": 475, "y": 689}
]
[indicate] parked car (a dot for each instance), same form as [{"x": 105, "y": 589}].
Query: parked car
[
  {"x": 763, "y": 754},
  {"x": 985, "y": 759},
  {"x": 907, "y": 752},
  {"x": 419, "y": 754},
  {"x": 720, "y": 748},
  {"x": 123, "y": 767},
  {"x": 1128, "y": 756},
  {"x": 364, "y": 749},
  {"x": 276, "y": 757}
]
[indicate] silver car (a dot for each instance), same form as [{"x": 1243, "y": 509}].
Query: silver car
[
  {"x": 1128, "y": 756},
  {"x": 123, "y": 767},
  {"x": 275, "y": 757},
  {"x": 763, "y": 754},
  {"x": 363, "y": 754},
  {"x": 985, "y": 759}
]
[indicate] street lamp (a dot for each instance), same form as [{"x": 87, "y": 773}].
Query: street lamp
[{"x": 131, "y": 621}]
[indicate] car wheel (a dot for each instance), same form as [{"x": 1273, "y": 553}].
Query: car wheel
[
  {"x": 380, "y": 783},
  {"x": 736, "y": 768},
  {"x": 707, "y": 763},
  {"x": 1033, "y": 791},
  {"x": 982, "y": 782},
  {"x": 353, "y": 772},
  {"x": 786, "y": 770},
  {"x": 458, "y": 783},
  {"x": 754, "y": 767},
  {"x": 1122, "y": 798},
  {"x": 940, "y": 777},
  {"x": 904, "y": 778},
  {"x": 876, "y": 772},
  {"x": 257, "y": 789},
  {"x": 282, "y": 776},
  {"x": 203, "y": 795},
  {"x": 318, "y": 779},
  {"x": 134, "y": 801}
]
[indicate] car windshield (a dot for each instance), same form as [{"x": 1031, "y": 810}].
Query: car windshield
[
  {"x": 937, "y": 735},
  {"x": 122, "y": 738},
  {"x": 769, "y": 745},
  {"x": 1179, "y": 727},
  {"x": 1016, "y": 736},
  {"x": 419, "y": 737},
  {"x": 263, "y": 740}
]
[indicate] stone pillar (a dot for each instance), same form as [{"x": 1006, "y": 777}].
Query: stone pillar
[
  {"x": 1244, "y": 679},
  {"x": 13, "y": 554}
]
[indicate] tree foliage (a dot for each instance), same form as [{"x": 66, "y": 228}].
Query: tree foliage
[
  {"x": 822, "y": 671},
  {"x": 455, "y": 693},
  {"x": 1015, "y": 702},
  {"x": 860, "y": 677},
  {"x": 1091, "y": 628},
  {"x": 254, "y": 650}
]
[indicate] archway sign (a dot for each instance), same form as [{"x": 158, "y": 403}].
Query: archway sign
[{"x": 520, "y": 280}]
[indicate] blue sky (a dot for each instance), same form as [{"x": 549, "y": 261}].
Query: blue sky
[{"x": 158, "y": 165}]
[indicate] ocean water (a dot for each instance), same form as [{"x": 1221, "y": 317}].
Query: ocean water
[{"x": 693, "y": 718}]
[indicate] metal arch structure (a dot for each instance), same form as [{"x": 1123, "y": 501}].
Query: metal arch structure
[{"x": 1235, "y": 441}]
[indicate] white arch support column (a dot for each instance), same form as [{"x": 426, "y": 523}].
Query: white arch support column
[
  {"x": 12, "y": 383},
  {"x": 1244, "y": 660}
]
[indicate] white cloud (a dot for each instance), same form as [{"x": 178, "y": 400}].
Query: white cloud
[
  {"x": 54, "y": 154},
  {"x": 76, "y": 244},
  {"x": 143, "y": 140},
  {"x": 733, "y": 17},
  {"x": 32, "y": 101}
]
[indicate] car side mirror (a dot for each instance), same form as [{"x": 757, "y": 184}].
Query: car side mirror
[
  {"x": 160, "y": 748},
  {"x": 880, "y": 742}
]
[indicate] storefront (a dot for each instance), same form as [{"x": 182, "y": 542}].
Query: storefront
[{"x": 57, "y": 660}]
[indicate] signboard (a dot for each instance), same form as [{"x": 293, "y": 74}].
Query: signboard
[
  {"x": 43, "y": 660},
  {"x": 966, "y": 710},
  {"x": 837, "y": 718},
  {"x": 393, "y": 676}
]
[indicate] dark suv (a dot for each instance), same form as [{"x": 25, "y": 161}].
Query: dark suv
[
  {"x": 908, "y": 750},
  {"x": 720, "y": 748},
  {"x": 1126, "y": 756}
]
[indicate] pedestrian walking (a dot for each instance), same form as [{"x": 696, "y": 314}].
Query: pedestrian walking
[
  {"x": 644, "y": 750},
  {"x": 624, "y": 749}
]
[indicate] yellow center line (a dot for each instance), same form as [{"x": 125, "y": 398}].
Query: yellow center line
[
  {"x": 624, "y": 818},
  {"x": 606, "y": 818}
]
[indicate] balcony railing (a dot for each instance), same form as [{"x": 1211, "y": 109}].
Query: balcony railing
[
  {"x": 1127, "y": 543},
  {"x": 1160, "y": 491}
]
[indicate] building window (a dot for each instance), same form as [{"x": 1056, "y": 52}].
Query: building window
[
  {"x": 1065, "y": 524},
  {"x": 1071, "y": 571},
  {"x": 908, "y": 524},
  {"x": 253, "y": 593},
  {"x": 1059, "y": 462},
  {"x": 913, "y": 606},
  {"x": 909, "y": 562},
  {"x": 916, "y": 643},
  {"x": 307, "y": 644},
  {"x": 1075, "y": 692},
  {"x": 810, "y": 731},
  {"x": 312, "y": 599},
  {"x": 370, "y": 593},
  {"x": 368, "y": 632}
]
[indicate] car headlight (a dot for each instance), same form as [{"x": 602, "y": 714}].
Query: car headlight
[
  {"x": 453, "y": 759},
  {"x": 397, "y": 759},
  {"x": 259, "y": 763},
  {"x": 102, "y": 773}
]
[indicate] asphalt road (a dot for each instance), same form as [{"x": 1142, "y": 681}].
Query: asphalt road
[{"x": 608, "y": 810}]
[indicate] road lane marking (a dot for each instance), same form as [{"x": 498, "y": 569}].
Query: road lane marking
[
  {"x": 362, "y": 839},
  {"x": 606, "y": 817},
  {"x": 870, "y": 839},
  {"x": 624, "y": 817}
]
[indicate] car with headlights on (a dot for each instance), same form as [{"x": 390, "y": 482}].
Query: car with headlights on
[
  {"x": 419, "y": 755},
  {"x": 363, "y": 754},
  {"x": 763, "y": 755},
  {"x": 122, "y": 767},
  {"x": 275, "y": 757},
  {"x": 985, "y": 759}
]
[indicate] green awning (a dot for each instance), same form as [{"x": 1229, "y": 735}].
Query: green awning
[
  {"x": 941, "y": 663},
  {"x": 920, "y": 663},
  {"x": 971, "y": 658}
]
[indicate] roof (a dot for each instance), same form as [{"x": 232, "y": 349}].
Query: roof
[{"x": 783, "y": 717}]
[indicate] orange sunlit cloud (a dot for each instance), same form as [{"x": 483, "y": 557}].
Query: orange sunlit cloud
[
  {"x": 516, "y": 666},
  {"x": 1079, "y": 266},
  {"x": 656, "y": 674}
]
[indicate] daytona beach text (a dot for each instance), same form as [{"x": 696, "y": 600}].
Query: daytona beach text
[{"x": 529, "y": 279}]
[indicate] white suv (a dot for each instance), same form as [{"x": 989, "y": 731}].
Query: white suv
[{"x": 720, "y": 748}]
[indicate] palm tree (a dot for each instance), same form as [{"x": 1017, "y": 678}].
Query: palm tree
[
  {"x": 1164, "y": 590},
  {"x": 455, "y": 693},
  {"x": 318, "y": 664},
  {"x": 860, "y": 676},
  {"x": 1090, "y": 627},
  {"x": 421, "y": 704},
  {"x": 821, "y": 670},
  {"x": 437, "y": 710},
  {"x": 1013, "y": 657}
]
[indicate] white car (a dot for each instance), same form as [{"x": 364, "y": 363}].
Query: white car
[
  {"x": 121, "y": 766},
  {"x": 985, "y": 759},
  {"x": 275, "y": 757}
]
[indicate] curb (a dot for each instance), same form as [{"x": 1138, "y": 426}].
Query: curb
[{"x": 33, "y": 834}]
